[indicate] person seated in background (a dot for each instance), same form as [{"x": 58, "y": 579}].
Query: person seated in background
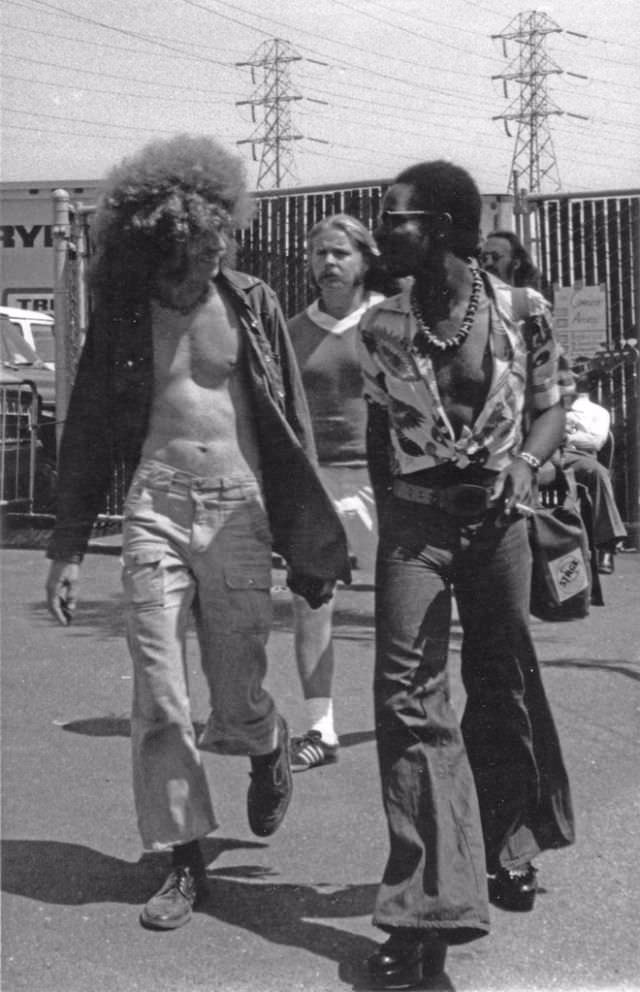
[
  {"x": 503, "y": 255},
  {"x": 343, "y": 266},
  {"x": 586, "y": 431}
]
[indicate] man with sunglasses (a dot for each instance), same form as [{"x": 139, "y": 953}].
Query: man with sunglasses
[{"x": 453, "y": 455}]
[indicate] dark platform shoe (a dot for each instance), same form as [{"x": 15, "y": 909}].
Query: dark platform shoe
[
  {"x": 514, "y": 890},
  {"x": 406, "y": 959},
  {"x": 605, "y": 562},
  {"x": 271, "y": 786}
]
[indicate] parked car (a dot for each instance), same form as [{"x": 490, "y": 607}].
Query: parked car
[
  {"x": 27, "y": 424},
  {"x": 19, "y": 357},
  {"x": 37, "y": 329},
  {"x": 18, "y": 440}
]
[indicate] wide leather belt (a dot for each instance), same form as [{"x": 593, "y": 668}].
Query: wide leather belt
[{"x": 465, "y": 501}]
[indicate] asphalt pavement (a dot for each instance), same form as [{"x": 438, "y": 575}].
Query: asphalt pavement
[{"x": 292, "y": 913}]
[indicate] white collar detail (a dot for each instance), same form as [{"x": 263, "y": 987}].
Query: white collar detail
[{"x": 338, "y": 326}]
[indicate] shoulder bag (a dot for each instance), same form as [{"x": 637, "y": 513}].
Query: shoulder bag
[{"x": 561, "y": 578}]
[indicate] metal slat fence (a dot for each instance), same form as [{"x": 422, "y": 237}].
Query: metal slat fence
[
  {"x": 273, "y": 246},
  {"x": 594, "y": 240}
]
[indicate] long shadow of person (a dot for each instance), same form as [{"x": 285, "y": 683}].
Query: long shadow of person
[
  {"x": 120, "y": 726},
  {"x": 299, "y": 915},
  {"x": 72, "y": 874},
  {"x": 243, "y": 896}
]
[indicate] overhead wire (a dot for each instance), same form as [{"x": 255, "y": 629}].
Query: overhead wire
[
  {"x": 107, "y": 75},
  {"x": 333, "y": 41},
  {"x": 127, "y": 93},
  {"x": 82, "y": 120},
  {"x": 413, "y": 33},
  {"x": 124, "y": 31},
  {"x": 77, "y": 40},
  {"x": 443, "y": 94},
  {"x": 397, "y": 115},
  {"x": 78, "y": 134}
]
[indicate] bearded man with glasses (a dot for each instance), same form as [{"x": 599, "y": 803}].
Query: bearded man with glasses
[
  {"x": 503, "y": 255},
  {"x": 453, "y": 453}
]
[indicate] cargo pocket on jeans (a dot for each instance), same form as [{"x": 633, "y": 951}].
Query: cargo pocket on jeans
[
  {"x": 143, "y": 577},
  {"x": 249, "y": 594}
]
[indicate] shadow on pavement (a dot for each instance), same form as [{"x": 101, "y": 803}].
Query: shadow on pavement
[
  {"x": 100, "y": 726},
  {"x": 106, "y": 618},
  {"x": 299, "y": 916},
  {"x": 621, "y": 666},
  {"x": 360, "y": 621},
  {"x": 242, "y": 896},
  {"x": 71, "y": 874},
  {"x": 108, "y": 726},
  {"x": 120, "y": 726},
  {"x": 358, "y": 737}
]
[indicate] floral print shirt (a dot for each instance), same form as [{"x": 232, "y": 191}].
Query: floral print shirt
[{"x": 398, "y": 377}]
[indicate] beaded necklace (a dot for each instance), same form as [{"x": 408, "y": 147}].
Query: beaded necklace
[{"x": 426, "y": 341}]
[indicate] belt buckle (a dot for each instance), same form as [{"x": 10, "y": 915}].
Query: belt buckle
[{"x": 466, "y": 501}]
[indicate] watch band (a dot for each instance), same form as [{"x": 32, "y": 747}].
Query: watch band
[{"x": 530, "y": 459}]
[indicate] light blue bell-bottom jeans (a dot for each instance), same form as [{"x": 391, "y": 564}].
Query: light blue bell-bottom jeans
[
  {"x": 460, "y": 800},
  {"x": 194, "y": 548}
]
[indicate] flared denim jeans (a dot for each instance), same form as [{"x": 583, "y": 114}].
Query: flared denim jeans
[
  {"x": 459, "y": 800},
  {"x": 194, "y": 547}
]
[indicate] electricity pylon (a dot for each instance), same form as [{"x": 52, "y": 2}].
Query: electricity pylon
[
  {"x": 273, "y": 95},
  {"x": 534, "y": 157}
]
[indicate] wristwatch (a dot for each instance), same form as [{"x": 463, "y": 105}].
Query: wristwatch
[{"x": 531, "y": 460}]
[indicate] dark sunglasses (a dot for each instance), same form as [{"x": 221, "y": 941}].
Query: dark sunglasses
[{"x": 389, "y": 218}]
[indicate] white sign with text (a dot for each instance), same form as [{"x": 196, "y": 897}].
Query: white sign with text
[{"x": 580, "y": 319}]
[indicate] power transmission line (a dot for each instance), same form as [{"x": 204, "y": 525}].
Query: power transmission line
[
  {"x": 534, "y": 156},
  {"x": 271, "y": 102}
]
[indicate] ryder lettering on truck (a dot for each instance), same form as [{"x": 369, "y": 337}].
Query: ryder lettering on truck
[{"x": 19, "y": 236}]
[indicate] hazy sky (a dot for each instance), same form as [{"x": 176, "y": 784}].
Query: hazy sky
[{"x": 86, "y": 82}]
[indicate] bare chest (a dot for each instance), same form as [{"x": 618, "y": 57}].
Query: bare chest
[
  {"x": 464, "y": 375},
  {"x": 204, "y": 345}
]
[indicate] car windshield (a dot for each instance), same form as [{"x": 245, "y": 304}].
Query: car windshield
[
  {"x": 44, "y": 342},
  {"x": 14, "y": 350}
]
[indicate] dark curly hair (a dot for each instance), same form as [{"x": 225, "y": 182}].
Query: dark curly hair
[
  {"x": 152, "y": 203},
  {"x": 443, "y": 187}
]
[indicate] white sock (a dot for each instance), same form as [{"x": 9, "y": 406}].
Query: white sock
[{"x": 320, "y": 715}]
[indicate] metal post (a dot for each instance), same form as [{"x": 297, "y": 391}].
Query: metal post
[
  {"x": 60, "y": 233},
  {"x": 80, "y": 239},
  {"x": 517, "y": 206},
  {"x": 526, "y": 223},
  {"x": 634, "y": 420}
]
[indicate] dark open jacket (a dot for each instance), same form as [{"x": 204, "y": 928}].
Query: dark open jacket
[{"x": 108, "y": 417}]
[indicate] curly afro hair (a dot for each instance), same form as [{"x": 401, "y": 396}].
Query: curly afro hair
[{"x": 152, "y": 203}]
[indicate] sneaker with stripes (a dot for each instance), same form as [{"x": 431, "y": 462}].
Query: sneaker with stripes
[{"x": 310, "y": 751}]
